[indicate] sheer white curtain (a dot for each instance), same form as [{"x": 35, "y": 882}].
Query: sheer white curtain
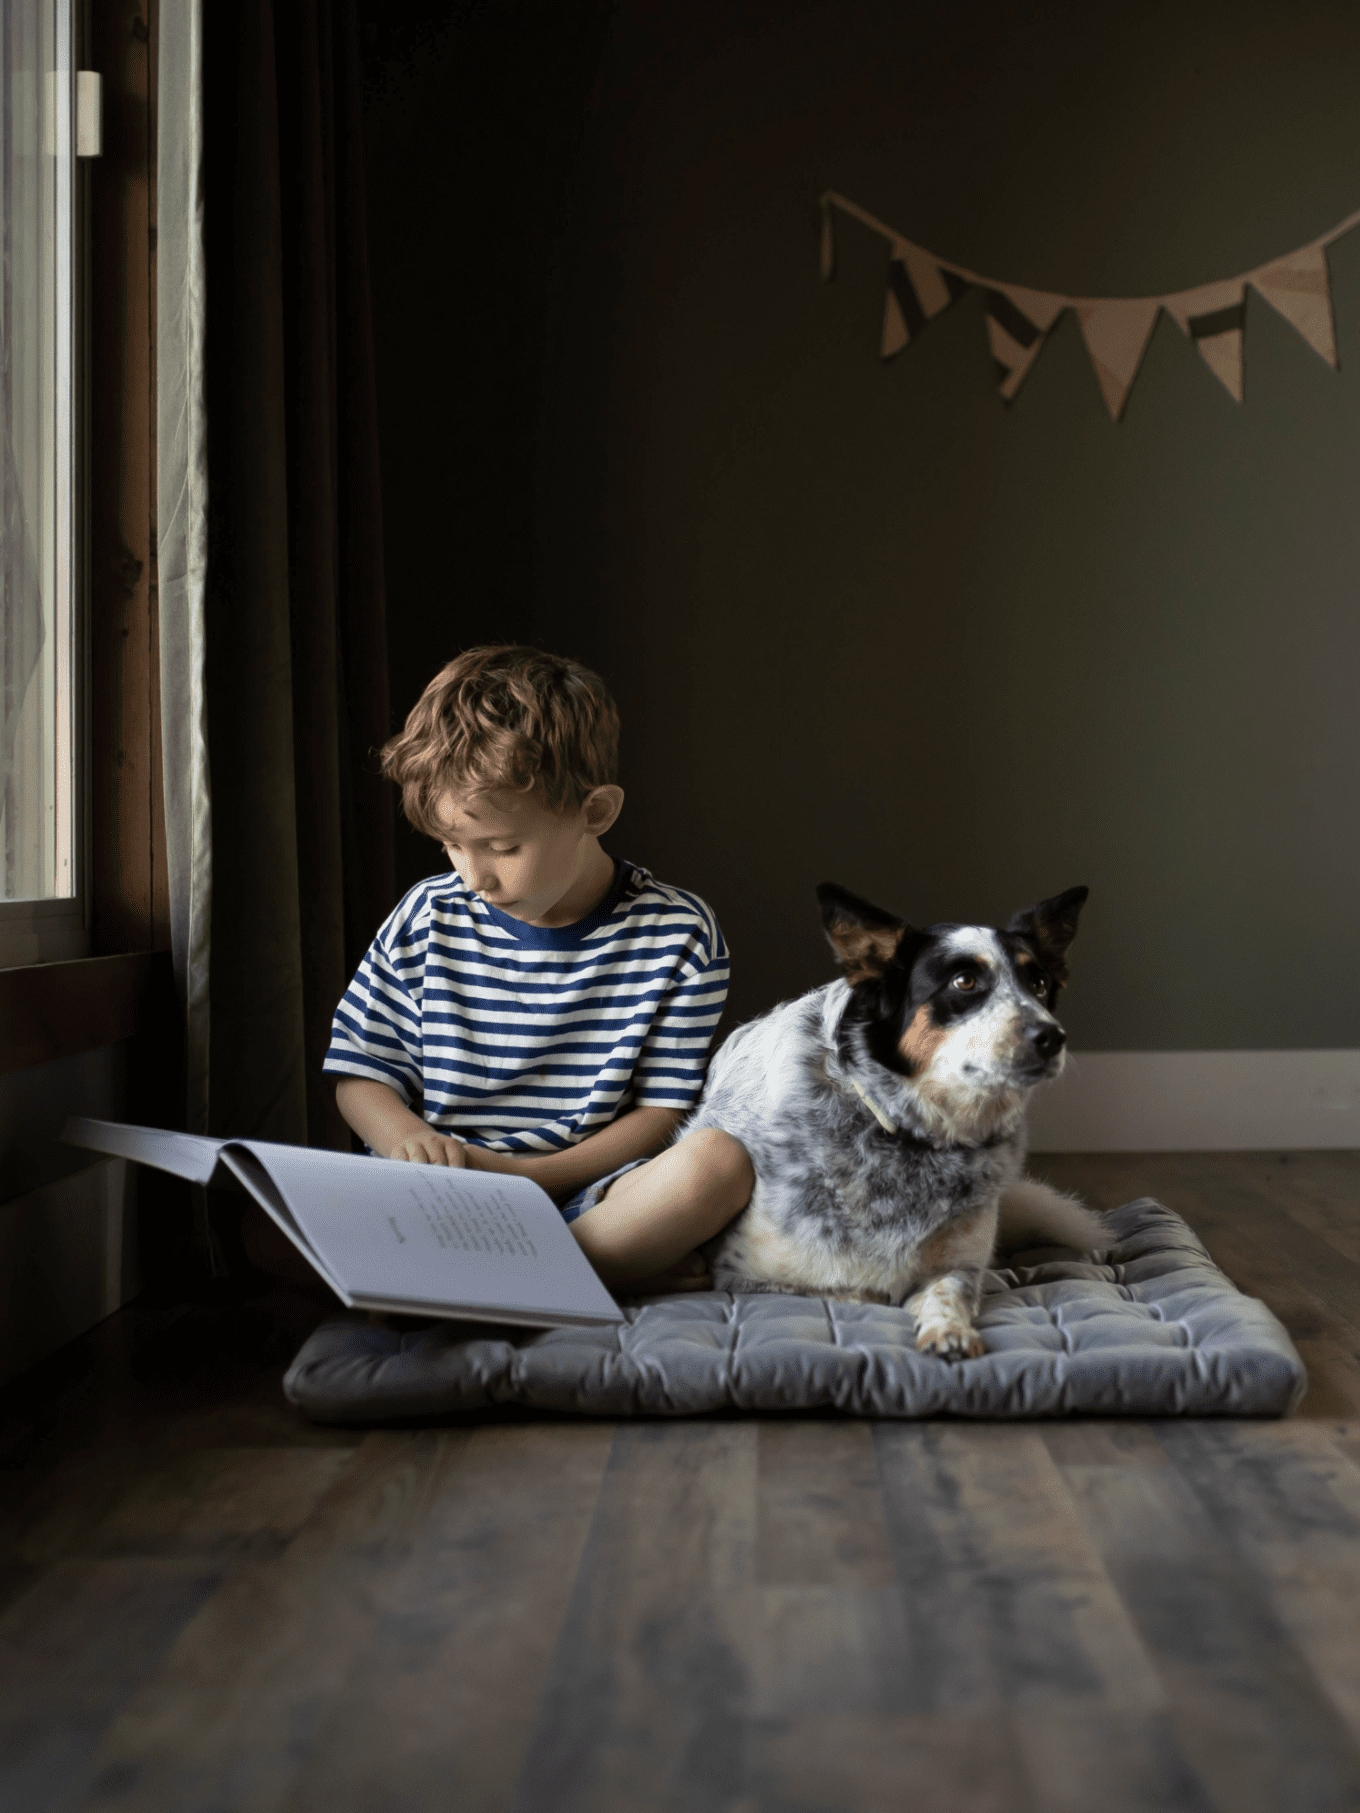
[{"x": 182, "y": 516}]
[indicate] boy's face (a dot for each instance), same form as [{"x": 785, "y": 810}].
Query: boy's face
[{"x": 524, "y": 858}]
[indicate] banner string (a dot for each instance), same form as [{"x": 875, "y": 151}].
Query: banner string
[{"x": 1117, "y": 329}]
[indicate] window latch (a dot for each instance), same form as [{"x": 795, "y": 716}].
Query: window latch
[{"x": 89, "y": 113}]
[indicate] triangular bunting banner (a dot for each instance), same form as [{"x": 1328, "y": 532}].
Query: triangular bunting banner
[
  {"x": 1214, "y": 316},
  {"x": 928, "y": 278},
  {"x": 896, "y": 333},
  {"x": 1116, "y": 329},
  {"x": 1043, "y": 310},
  {"x": 917, "y": 292},
  {"x": 1116, "y": 336},
  {"x": 1297, "y": 287}
]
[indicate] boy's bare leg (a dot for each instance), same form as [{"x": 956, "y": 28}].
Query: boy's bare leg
[{"x": 643, "y": 1235}]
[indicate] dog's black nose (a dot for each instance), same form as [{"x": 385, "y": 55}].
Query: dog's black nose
[{"x": 1046, "y": 1039}]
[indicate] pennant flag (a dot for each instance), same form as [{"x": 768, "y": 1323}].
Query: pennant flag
[
  {"x": 896, "y": 320},
  {"x": 934, "y": 283},
  {"x": 1213, "y": 316},
  {"x": 917, "y": 292},
  {"x": 1018, "y": 322},
  {"x": 1042, "y": 309},
  {"x": 1116, "y": 329},
  {"x": 1296, "y": 287},
  {"x": 1116, "y": 336}
]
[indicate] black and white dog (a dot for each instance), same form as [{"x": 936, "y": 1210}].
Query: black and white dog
[{"x": 885, "y": 1116}]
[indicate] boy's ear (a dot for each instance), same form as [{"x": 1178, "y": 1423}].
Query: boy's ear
[
  {"x": 863, "y": 936},
  {"x": 602, "y": 806},
  {"x": 1050, "y": 927}
]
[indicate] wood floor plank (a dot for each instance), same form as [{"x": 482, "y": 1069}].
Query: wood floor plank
[
  {"x": 646, "y": 1703},
  {"x": 1323, "y": 1186},
  {"x": 54, "y": 1510},
  {"x": 1288, "y": 1501},
  {"x": 209, "y": 1501},
  {"x": 1318, "y": 1189},
  {"x": 818, "y": 1651},
  {"x": 819, "y": 1515},
  {"x": 1008, "y": 1604},
  {"x": 1277, "y": 1253},
  {"x": 1332, "y": 1222},
  {"x": 1106, "y": 1180},
  {"x": 378, "y": 1508},
  {"x": 446, "y": 1688},
  {"x": 73, "y": 1650},
  {"x": 119, "y": 1405},
  {"x": 233, "y": 1710},
  {"x": 1095, "y": 1443},
  {"x": 861, "y": 1762},
  {"x": 1263, "y": 1267},
  {"x": 1076, "y": 1761},
  {"x": 1333, "y": 1393},
  {"x": 1248, "y": 1718}
]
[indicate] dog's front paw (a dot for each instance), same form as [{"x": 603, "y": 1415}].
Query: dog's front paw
[{"x": 950, "y": 1340}]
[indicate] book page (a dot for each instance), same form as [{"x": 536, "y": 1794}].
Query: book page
[
  {"x": 188, "y": 1155},
  {"x": 474, "y": 1241}
]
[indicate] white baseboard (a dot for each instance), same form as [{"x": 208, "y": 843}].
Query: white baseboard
[{"x": 1199, "y": 1101}]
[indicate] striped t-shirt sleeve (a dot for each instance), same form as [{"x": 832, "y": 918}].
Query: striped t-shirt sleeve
[
  {"x": 669, "y": 1072},
  {"x": 376, "y": 1033}
]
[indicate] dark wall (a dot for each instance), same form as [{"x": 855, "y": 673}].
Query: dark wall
[
  {"x": 475, "y": 116},
  {"x": 864, "y": 621}
]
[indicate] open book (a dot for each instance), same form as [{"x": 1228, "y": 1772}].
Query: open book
[{"x": 384, "y": 1234}]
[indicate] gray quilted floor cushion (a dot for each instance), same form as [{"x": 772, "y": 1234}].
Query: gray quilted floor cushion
[{"x": 1155, "y": 1330}]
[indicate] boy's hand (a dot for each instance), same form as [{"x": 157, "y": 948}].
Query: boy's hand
[
  {"x": 383, "y": 1121},
  {"x": 431, "y": 1148}
]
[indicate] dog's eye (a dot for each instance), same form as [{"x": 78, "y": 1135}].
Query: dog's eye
[{"x": 964, "y": 982}]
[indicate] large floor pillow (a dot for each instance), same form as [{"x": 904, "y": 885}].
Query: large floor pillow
[{"x": 1149, "y": 1328}]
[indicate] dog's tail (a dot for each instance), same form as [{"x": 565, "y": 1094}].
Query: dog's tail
[{"x": 1032, "y": 1214}]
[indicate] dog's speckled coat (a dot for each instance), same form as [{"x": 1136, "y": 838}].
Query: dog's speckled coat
[{"x": 845, "y": 1207}]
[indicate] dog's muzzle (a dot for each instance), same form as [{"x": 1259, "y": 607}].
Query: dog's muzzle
[{"x": 1040, "y": 1052}]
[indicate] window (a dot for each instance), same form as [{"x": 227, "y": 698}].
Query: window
[{"x": 41, "y": 914}]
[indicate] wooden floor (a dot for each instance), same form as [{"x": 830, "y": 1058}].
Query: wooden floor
[{"x": 207, "y": 1604}]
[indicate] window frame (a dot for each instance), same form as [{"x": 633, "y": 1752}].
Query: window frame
[
  {"x": 56, "y": 928},
  {"x": 94, "y": 968}
]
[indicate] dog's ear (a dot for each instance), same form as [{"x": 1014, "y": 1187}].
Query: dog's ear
[
  {"x": 864, "y": 937},
  {"x": 1050, "y": 927}
]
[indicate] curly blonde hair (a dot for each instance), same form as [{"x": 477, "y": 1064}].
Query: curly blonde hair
[{"x": 506, "y": 716}]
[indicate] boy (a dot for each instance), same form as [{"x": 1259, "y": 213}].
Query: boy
[{"x": 545, "y": 1009}]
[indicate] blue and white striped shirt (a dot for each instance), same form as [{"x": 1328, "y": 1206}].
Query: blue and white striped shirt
[{"x": 527, "y": 1038}]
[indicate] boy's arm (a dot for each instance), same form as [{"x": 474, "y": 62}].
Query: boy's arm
[
  {"x": 638, "y": 1134},
  {"x": 383, "y": 1121}
]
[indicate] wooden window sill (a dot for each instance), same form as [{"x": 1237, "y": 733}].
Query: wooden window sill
[{"x": 55, "y": 1010}]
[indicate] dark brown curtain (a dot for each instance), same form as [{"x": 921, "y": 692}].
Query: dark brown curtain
[{"x": 297, "y": 670}]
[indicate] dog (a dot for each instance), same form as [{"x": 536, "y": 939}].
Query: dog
[{"x": 884, "y": 1116}]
